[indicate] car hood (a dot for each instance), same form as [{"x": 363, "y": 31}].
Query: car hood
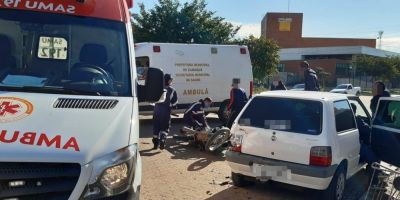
[{"x": 34, "y": 130}]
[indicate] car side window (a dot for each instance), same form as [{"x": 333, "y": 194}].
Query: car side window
[
  {"x": 388, "y": 114},
  {"x": 359, "y": 111},
  {"x": 349, "y": 87},
  {"x": 344, "y": 117}
]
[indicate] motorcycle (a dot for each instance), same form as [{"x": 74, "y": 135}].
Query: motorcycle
[{"x": 209, "y": 139}]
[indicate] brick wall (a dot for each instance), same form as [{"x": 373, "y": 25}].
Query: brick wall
[
  {"x": 329, "y": 65},
  {"x": 292, "y": 37}
]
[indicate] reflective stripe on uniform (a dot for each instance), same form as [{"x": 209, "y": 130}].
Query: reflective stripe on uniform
[{"x": 191, "y": 107}]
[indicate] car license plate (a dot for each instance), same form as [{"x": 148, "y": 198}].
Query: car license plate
[{"x": 266, "y": 172}]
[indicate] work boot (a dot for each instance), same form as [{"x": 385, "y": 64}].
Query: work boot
[
  {"x": 162, "y": 141},
  {"x": 162, "y": 144},
  {"x": 156, "y": 143}
]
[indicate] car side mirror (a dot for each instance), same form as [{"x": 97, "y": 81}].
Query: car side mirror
[{"x": 150, "y": 85}]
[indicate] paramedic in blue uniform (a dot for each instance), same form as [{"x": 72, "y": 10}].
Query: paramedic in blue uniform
[
  {"x": 237, "y": 101},
  {"x": 162, "y": 114},
  {"x": 195, "y": 116}
]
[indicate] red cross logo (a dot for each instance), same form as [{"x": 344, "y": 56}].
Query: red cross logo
[{"x": 6, "y": 107}]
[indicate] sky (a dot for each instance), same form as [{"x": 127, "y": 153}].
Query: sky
[{"x": 322, "y": 18}]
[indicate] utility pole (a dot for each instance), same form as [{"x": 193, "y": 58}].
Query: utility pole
[
  {"x": 380, "y": 34},
  {"x": 288, "y": 6}
]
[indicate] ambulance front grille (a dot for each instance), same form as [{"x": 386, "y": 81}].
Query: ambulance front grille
[
  {"x": 34, "y": 181},
  {"x": 85, "y": 103}
]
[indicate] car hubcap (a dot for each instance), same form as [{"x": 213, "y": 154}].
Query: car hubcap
[{"x": 340, "y": 186}]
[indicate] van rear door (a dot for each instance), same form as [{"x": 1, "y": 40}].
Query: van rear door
[
  {"x": 281, "y": 128},
  {"x": 386, "y": 130}
]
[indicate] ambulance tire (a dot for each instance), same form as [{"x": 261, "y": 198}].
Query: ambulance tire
[{"x": 222, "y": 115}]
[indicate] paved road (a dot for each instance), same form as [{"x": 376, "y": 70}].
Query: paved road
[{"x": 184, "y": 172}]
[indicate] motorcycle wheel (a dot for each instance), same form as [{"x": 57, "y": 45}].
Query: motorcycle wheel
[{"x": 217, "y": 139}]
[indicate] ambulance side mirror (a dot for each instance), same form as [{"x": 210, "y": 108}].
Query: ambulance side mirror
[{"x": 152, "y": 88}]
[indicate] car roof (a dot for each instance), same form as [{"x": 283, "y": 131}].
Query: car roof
[{"x": 309, "y": 95}]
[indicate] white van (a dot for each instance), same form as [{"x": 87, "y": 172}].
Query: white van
[
  {"x": 69, "y": 100},
  {"x": 199, "y": 70}
]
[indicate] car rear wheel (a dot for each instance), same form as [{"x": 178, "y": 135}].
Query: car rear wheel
[
  {"x": 240, "y": 180},
  {"x": 336, "y": 188},
  {"x": 358, "y": 93}
]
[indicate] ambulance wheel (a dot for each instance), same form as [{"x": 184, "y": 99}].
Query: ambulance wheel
[{"x": 222, "y": 112}]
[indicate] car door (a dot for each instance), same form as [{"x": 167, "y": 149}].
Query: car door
[
  {"x": 347, "y": 144},
  {"x": 361, "y": 111},
  {"x": 386, "y": 130}
]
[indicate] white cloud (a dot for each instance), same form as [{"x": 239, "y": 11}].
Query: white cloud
[
  {"x": 390, "y": 44},
  {"x": 248, "y": 29}
]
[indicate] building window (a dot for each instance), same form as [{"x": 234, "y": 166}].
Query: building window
[
  {"x": 343, "y": 69},
  {"x": 281, "y": 67}
]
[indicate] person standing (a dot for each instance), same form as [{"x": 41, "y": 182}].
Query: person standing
[
  {"x": 310, "y": 77},
  {"x": 238, "y": 99},
  {"x": 162, "y": 114},
  {"x": 278, "y": 85},
  {"x": 378, "y": 91},
  {"x": 281, "y": 86}
]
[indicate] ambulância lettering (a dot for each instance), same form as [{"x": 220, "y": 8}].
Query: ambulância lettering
[
  {"x": 38, "y": 139},
  {"x": 195, "y": 91}
]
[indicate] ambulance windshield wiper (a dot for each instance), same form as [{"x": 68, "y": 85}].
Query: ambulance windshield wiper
[{"x": 49, "y": 89}]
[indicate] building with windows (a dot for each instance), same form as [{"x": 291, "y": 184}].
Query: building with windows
[{"x": 333, "y": 55}]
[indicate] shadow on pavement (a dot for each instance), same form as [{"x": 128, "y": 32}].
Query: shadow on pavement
[
  {"x": 181, "y": 149},
  {"x": 267, "y": 191},
  {"x": 356, "y": 188},
  {"x": 149, "y": 152},
  {"x": 185, "y": 151}
]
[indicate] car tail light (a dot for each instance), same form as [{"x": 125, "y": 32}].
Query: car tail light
[
  {"x": 251, "y": 88},
  {"x": 243, "y": 51},
  {"x": 156, "y": 49},
  {"x": 321, "y": 156},
  {"x": 236, "y": 141}
]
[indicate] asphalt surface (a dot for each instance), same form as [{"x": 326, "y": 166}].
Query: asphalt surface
[{"x": 182, "y": 171}]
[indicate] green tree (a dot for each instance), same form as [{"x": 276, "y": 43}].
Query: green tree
[
  {"x": 191, "y": 22},
  {"x": 385, "y": 68},
  {"x": 264, "y": 55}
]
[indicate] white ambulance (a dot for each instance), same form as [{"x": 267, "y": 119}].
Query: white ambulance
[
  {"x": 199, "y": 71},
  {"x": 69, "y": 100}
]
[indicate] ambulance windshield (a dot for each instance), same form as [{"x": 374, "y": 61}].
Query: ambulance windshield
[{"x": 55, "y": 53}]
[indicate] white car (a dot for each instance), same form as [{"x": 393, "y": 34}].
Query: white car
[
  {"x": 298, "y": 87},
  {"x": 347, "y": 89},
  {"x": 307, "y": 139}
]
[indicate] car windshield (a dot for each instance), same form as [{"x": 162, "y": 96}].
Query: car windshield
[
  {"x": 291, "y": 115},
  {"x": 341, "y": 87},
  {"x": 54, "y": 53}
]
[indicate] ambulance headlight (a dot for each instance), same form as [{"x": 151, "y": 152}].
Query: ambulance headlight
[
  {"x": 115, "y": 177},
  {"x": 112, "y": 174}
]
